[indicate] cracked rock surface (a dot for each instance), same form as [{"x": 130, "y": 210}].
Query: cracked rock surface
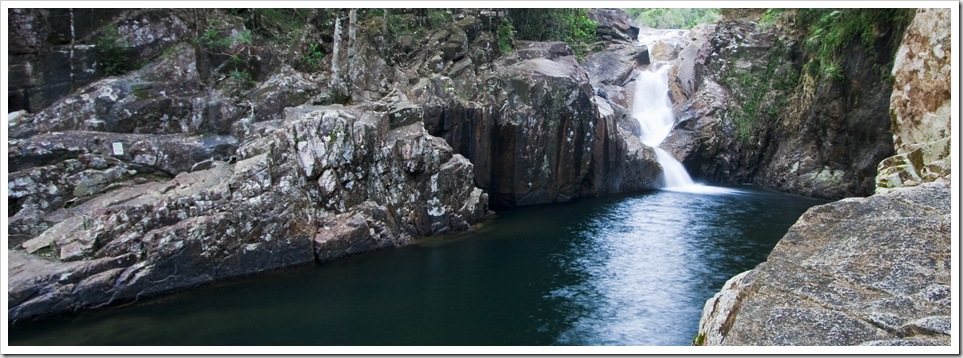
[
  {"x": 860, "y": 271},
  {"x": 330, "y": 182}
]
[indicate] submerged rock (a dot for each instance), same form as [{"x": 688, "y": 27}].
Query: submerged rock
[{"x": 862, "y": 271}]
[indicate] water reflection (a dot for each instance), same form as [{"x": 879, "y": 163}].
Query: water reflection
[
  {"x": 650, "y": 262},
  {"x": 632, "y": 270}
]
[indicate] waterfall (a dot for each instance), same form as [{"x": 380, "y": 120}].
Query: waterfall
[{"x": 653, "y": 109}]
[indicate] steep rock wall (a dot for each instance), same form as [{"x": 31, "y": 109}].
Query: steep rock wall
[
  {"x": 864, "y": 271},
  {"x": 751, "y": 114},
  {"x": 921, "y": 101}
]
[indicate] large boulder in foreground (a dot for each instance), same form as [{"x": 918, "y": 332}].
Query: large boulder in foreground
[{"x": 860, "y": 271}]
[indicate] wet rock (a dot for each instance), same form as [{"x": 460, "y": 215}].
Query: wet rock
[
  {"x": 860, "y": 271},
  {"x": 611, "y": 72},
  {"x": 159, "y": 98},
  {"x": 41, "y": 42}
]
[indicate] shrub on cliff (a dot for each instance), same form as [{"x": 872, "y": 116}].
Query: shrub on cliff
[
  {"x": 569, "y": 25},
  {"x": 112, "y": 52}
]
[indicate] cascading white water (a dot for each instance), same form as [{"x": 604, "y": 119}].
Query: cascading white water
[{"x": 653, "y": 109}]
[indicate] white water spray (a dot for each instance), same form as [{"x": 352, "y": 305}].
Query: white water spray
[{"x": 653, "y": 109}]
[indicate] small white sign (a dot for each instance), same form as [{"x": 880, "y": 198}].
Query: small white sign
[{"x": 118, "y": 148}]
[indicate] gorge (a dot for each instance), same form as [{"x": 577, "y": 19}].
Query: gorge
[{"x": 455, "y": 177}]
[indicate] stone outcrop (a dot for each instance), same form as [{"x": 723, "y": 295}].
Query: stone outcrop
[
  {"x": 614, "y": 25},
  {"x": 860, "y": 271},
  {"x": 52, "y": 172},
  {"x": 864, "y": 271},
  {"x": 227, "y": 157},
  {"x": 749, "y": 114},
  {"x": 53, "y": 51},
  {"x": 331, "y": 181},
  {"x": 920, "y": 104},
  {"x": 550, "y": 143},
  {"x": 536, "y": 127}
]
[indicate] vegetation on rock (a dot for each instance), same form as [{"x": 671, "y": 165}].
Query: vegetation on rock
[
  {"x": 569, "y": 25},
  {"x": 112, "y": 52}
]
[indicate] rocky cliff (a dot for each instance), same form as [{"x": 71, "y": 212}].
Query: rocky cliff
[
  {"x": 250, "y": 140},
  {"x": 753, "y": 109},
  {"x": 864, "y": 271},
  {"x": 920, "y": 105}
]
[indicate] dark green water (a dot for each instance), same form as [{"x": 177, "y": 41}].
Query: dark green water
[{"x": 632, "y": 270}]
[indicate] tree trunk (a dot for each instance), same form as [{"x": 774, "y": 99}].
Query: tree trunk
[
  {"x": 353, "y": 72},
  {"x": 336, "y": 85}
]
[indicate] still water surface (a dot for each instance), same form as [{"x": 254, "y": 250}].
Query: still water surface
[{"x": 629, "y": 270}]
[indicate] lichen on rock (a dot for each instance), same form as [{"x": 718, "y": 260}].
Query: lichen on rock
[{"x": 860, "y": 271}]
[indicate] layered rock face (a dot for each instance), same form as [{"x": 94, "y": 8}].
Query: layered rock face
[
  {"x": 548, "y": 138},
  {"x": 861, "y": 271},
  {"x": 51, "y": 51},
  {"x": 751, "y": 114},
  {"x": 921, "y": 104},
  {"x": 234, "y": 154},
  {"x": 872, "y": 271},
  {"x": 327, "y": 182}
]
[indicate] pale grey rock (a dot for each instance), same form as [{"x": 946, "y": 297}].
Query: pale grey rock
[
  {"x": 333, "y": 181},
  {"x": 860, "y": 271},
  {"x": 920, "y": 104}
]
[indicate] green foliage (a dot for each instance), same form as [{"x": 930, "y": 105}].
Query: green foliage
[
  {"x": 240, "y": 76},
  {"x": 438, "y": 18},
  {"x": 232, "y": 45},
  {"x": 410, "y": 22},
  {"x": 313, "y": 56},
  {"x": 663, "y": 18},
  {"x": 569, "y": 25},
  {"x": 279, "y": 25},
  {"x": 213, "y": 38},
  {"x": 506, "y": 35},
  {"x": 699, "y": 340},
  {"x": 112, "y": 52},
  {"x": 399, "y": 23},
  {"x": 760, "y": 92},
  {"x": 829, "y": 32}
]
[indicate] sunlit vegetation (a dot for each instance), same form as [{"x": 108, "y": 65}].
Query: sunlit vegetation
[{"x": 673, "y": 18}]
